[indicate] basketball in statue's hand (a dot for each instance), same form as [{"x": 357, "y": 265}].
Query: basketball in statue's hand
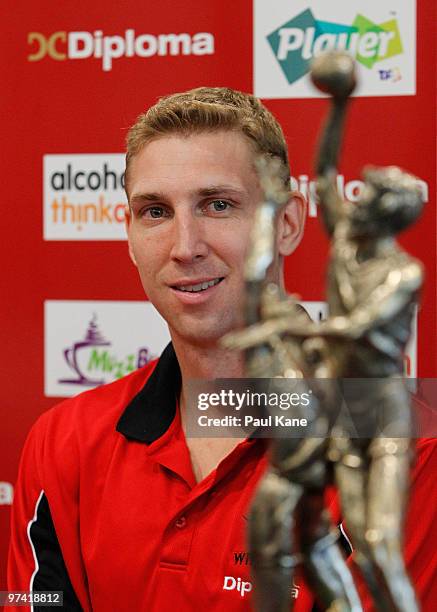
[{"x": 333, "y": 73}]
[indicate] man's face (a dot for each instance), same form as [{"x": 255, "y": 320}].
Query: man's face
[{"x": 193, "y": 200}]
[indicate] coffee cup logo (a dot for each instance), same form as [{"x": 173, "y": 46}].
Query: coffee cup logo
[{"x": 73, "y": 355}]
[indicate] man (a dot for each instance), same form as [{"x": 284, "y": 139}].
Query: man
[{"x": 115, "y": 506}]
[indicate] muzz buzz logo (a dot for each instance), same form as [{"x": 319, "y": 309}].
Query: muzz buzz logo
[
  {"x": 90, "y": 343},
  {"x": 296, "y": 42},
  {"x": 382, "y": 41}
]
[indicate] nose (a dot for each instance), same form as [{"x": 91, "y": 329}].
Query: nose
[{"x": 189, "y": 243}]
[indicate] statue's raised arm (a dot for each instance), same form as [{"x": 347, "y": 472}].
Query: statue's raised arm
[{"x": 333, "y": 74}]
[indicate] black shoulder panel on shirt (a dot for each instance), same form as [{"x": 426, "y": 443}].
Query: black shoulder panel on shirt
[
  {"x": 151, "y": 412},
  {"x": 51, "y": 575}
]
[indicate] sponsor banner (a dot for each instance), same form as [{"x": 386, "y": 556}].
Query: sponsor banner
[
  {"x": 318, "y": 311},
  {"x": 83, "y": 196},
  {"x": 380, "y": 36},
  {"x": 97, "y": 45},
  {"x": 89, "y": 343}
]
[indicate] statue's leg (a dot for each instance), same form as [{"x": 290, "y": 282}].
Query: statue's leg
[
  {"x": 270, "y": 539},
  {"x": 350, "y": 468},
  {"x": 387, "y": 493},
  {"x": 325, "y": 566}
]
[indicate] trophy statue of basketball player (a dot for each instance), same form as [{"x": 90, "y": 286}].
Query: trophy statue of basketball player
[
  {"x": 372, "y": 289},
  {"x": 292, "y": 491}
]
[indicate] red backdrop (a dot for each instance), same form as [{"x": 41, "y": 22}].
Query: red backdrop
[{"x": 70, "y": 106}]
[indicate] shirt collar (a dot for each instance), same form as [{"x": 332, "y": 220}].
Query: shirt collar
[{"x": 150, "y": 413}]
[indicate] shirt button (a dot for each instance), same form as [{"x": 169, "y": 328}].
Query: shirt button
[{"x": 181, "y": 522}]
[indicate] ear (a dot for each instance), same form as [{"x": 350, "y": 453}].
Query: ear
[
  {"x": 291, "y": 223},
  {"x": 128, "y": 226}
]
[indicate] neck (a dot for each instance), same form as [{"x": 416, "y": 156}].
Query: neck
[{"x": 206, "y": 362}]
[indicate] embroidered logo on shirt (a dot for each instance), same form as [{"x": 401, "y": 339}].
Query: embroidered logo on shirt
[{"x": 231, "y": 583}]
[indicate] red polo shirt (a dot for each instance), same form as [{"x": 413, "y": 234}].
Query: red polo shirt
[{"x": 107, "y": 508}]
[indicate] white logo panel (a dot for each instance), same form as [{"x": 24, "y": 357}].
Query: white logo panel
[
  {"x": 89, "y": 343},
  {"x": 380, "y": 36},
  {"x": 84, "y": 196}
]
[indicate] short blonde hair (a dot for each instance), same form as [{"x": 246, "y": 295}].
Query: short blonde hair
[{"x": 209, "y": 109}]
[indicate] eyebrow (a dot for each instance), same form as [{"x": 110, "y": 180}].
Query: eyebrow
[
  {"x": 211, "y": 190},
  {"x": 215, "y": 189}
]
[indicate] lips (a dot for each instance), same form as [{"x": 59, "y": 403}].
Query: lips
[{"x": 198, "y": 286}]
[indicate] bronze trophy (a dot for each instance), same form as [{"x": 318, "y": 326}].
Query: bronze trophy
[{"x": 359, "y": 431}]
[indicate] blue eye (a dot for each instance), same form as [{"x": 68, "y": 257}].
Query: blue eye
[
  {"x": 220, "y": 205},
  {"x": 155, "y": 212}
]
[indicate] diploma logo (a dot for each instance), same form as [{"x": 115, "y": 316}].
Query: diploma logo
[
  {"x": 84, "y": 197},
  {"x": 382, "y": 41},
  {"x": 230, "y": 583},
  {"x": 350, "y": 190},
  {"x": 61, "y": 46},
  {"x": 243, "y": 587}
]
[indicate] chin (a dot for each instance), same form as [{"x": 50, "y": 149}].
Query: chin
[{"x": 201, "y": 333}]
